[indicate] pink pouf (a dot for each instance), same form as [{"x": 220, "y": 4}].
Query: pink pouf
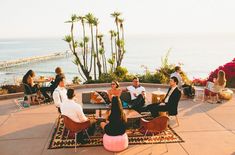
[{"x": 115, "y": 143}]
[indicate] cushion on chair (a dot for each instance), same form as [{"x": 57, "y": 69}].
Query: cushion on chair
[
  {"x": 115, "y": 143},
  {"x": 96, "y": 98},
  {"x": 105, "y": 96},
  {"x": 126, "y": 97}
]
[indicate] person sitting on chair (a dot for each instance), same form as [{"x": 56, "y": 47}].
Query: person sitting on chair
[
  {"x": 218, "y": 85},
  {"x": 55, "y": 83},
  {"x": 31, "y": 88},
  {"x": 28, "y": 81},
  {"x": 171, "y": 100},
  {"x": 60, "y": 93},
  {"x": 116, "y": 120},
  {"x": 74, "y": 111},
  {"x": 53, "y": 86},
  {"x": 137, "y": 95},
  {"x": 115, "y": 90}
]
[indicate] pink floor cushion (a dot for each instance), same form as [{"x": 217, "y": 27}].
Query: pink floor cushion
[{"x": 115, "y": 143}]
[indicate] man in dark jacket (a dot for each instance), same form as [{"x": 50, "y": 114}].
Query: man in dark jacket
[{"x": 171, "y": 100}]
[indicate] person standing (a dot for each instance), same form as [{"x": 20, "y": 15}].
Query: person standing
[
  {"x": 188, "y": 90},
  {"x": 178, "y": 76}
]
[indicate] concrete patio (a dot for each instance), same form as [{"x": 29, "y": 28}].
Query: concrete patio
[{"x": 205, "y": 128}]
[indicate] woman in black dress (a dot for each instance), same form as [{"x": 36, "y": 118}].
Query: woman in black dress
[{"x": 116, "y": 123}]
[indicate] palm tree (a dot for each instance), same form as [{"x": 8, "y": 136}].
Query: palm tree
[
  {"x": 82, "y": 19},
  {"x": 68, "y": 39},
  {"x": 86, "y": 40},
  {"x": 73, "y": 45},
  {"x": 115, "y": 55},
  {"x": 116, "y": 16},
  {"x": 122, "y": 41},
  {"x": 72, "y": 21},
  {"x": 111, "y": 39},
  {"x": 102, "y": 52},
  {"x": 119, "y": 50},
  {"x": 111, "y": 62},
  {"x": 120, "y": 21},
  {"x": 96, "y": 22},
  {"x": 90, "y": 21}
]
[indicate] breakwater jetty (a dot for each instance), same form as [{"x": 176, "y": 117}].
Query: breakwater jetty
[{"x": 22, "y": 61}]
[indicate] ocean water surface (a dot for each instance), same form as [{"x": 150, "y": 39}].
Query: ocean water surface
[{"x": 199, "y": 54}]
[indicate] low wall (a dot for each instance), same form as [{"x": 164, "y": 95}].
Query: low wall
[{"x": 97, "y": 85}]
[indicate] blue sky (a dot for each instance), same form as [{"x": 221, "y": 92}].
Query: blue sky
[{"x": 45, "y": 18}]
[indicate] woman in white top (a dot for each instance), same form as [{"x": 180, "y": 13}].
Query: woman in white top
[{"x": 216, "y": 87}]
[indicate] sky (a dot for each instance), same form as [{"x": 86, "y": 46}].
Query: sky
[{"x": 45, "y": 18}]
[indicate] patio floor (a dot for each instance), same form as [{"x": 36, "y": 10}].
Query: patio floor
[{"x": 205, "y": 128}]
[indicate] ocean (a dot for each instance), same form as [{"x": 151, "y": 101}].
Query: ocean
[{"x": 198, "y": 54}]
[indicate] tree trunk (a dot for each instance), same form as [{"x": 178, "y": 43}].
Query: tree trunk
[
  {"x": 93, "y": 51},
  {"x": 84, "y": 46},
  {"x": 97, "y": 53}
]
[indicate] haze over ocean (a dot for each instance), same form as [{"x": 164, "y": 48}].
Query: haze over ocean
[{"x": 199, "y": 54}]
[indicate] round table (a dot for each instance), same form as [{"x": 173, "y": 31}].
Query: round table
[{"x": 158, "y": 96}]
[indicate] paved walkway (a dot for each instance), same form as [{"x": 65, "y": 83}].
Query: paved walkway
[{"x": 206, "y": 128}]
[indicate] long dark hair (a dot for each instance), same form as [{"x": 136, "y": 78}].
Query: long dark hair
[
  {"x": 117, "y": 113},
  {"x": 29, "y": 73}
]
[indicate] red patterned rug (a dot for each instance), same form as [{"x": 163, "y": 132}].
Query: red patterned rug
[{"x": 135, "y": 137}]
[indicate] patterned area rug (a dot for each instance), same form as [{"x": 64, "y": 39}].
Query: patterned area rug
[{"x": 135, "y": 137}]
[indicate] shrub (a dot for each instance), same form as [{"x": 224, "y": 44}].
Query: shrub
[
  {"x": 3, "y": 91},
  {"x": 128, "y": 78},
  {"x": 120, "y": 72},
  {"x": 107, "y": 77},
  {"x": 13, "y": 88},
  {"x": 199, "y": 82},
  {"x": 76, "y": 80},
  {"x": 150, "y": 78}
]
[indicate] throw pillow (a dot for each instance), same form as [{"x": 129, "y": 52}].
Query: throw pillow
[
  {"x": 99, "y": 97},
  {"x": 96, "y": 98},
  {"x": 105, "y": 96}
]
